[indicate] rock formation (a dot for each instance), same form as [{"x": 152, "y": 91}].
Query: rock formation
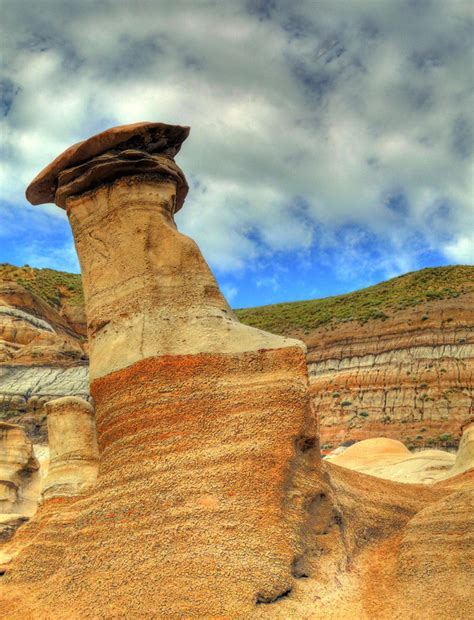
[
  {"x": 207, "y": 442},
  {"x": 41, "y": 357},
  {"x": 408, "y": 385},
  {"x": 409, "y": 379},
  {"x": 395, "y": 360},
  {"x": 73, "y": 451},
  {"x": 211, "y": 499},
  {"x": 17, "y": 468},
  {"x": 390, "y": 459},
  {"x": 465, "y": 455}
]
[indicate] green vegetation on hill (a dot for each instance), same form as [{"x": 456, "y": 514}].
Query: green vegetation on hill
[
  {"x": 48, "y": 284},
  {"x": 375, "y": 302}
]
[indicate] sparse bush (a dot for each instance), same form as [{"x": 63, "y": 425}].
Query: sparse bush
[{"x": 445, "y": 437}]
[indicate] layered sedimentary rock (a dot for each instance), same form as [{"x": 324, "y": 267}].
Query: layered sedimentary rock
[
  {"x": 41, "y": 357},
  {"x": 408, "y": 377},
  {"x": 390, "y": 459},
  {"x": 17, "y": 468},
  {"x": 465, "y": 454},
  {"x": 73, "y": 451},
  {"x": 209, "y": 457},
  {"x": 211, "y": 500}
]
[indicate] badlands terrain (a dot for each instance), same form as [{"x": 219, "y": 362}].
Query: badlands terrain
[
  {"x": 394, "y": 360},
  {"x": 183, "y": 476}
]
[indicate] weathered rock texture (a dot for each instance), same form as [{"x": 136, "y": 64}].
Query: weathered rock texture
[
  {"x": 211, "y": 500},
  {"x": 409, "y": 377},
  {"x": 390, "y": 459},
  {"x": 41, "y": 357},
  {"x": 17, "y": 468},
  {"x": 208, "y": 450},
  {"x": 73, "y": 451},
  {"x": 394, "y": 360}
]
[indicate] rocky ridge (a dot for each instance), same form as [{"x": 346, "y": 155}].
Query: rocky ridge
[
  {"x": 394, "y": 360},
  {"x": 42, "y": 355}
]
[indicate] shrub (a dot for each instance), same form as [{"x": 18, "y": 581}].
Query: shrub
[
  {"x": 364, "y": 414},
  {"x": 425, "y": 317},
  {"x": 445, "y": 437},
  {"x": 346, "y": 403},
  {"x": 335, "y": 394}
]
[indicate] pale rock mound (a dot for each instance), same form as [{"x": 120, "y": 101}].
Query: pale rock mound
[{"x": 387, "y": 458}]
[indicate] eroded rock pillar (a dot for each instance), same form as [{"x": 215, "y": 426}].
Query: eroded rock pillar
[
  {"x": 17, "y": 464},
  {"x": 73, "y": 451},
  {"x": 208, "y": 448}
]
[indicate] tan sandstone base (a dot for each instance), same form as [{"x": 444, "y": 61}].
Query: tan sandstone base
[{"x": 183, "y": 501}]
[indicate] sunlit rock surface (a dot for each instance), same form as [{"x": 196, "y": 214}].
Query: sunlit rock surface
[
  {"x": 19, "y": 477},
  {"x": 211, "y": 498},
  {"x": 73, "y": 451},
  {"x": 41, "y": 358}
]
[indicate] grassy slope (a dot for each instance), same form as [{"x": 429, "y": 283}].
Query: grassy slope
[
  {"x": 375, "y": 302},
  {"x": 49, "y": 284}
]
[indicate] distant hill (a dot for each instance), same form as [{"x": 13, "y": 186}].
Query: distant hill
[
  {"x": 52, "y": 286},
  {"x": 374, "y": 302}
]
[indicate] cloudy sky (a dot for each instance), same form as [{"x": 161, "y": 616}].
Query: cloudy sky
[{"x": 331, "y": 140}]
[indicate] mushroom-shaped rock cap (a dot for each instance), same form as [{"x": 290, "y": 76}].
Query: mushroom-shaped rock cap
[{"x": 157, "y": 138}]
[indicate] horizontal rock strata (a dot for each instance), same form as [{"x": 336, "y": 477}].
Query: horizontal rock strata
[
  {"x": 409, "y": 377},
  {"x": 209, "y": 458},
  {"x": 41, "y": 357},
  {"x": 73, "y": 451}
]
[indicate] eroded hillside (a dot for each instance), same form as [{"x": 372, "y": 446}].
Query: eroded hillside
[
  {"x": 42, "y": 343},
  {"x": 392, "y": 360}
]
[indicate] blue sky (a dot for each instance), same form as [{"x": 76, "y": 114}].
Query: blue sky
[{"x": 331, "y": 141}]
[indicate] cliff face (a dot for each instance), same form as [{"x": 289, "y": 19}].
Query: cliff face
[
  {"x": 42, "y": 356},
  {"x": 408, "y": 377},
  {"x": 394, "y": 360}
]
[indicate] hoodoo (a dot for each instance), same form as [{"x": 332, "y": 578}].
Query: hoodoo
[
  {"x": 73, "y": 452},
  {"x": 209, "y": 460}
]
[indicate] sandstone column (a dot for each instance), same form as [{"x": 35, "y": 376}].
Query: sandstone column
[
  {"x": 73, "y": 451},
  {"x": 208, "y": 453},
  {"x": 17, "y": 465}
]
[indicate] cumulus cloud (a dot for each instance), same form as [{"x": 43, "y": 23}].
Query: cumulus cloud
[{"x": 315, "y": 124}]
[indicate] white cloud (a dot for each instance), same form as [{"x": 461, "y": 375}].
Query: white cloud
[
  {"x": 461, "y": 250},
  {"x": 305, "y": 116}
]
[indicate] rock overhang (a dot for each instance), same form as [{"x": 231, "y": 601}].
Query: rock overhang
[{"x": 156, "y": 141}]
